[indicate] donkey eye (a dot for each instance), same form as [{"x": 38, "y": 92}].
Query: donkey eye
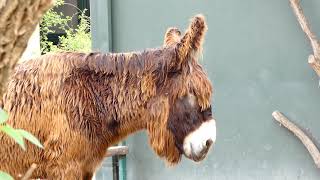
[
  {"x": 207, "y": 112},
  {"x": 174, "y": 73}
]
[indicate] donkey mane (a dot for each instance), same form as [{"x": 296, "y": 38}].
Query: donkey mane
[{"x": 133, "y": 63}]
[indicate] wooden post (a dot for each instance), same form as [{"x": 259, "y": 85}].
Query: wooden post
[{"x": 117, "y": 151}]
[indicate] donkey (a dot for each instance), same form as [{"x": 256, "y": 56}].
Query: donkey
[{"x": 80, "y": 104}]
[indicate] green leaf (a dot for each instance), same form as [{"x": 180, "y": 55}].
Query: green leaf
[
  {"x": 30, "y": 137},
  {"x": 3, "y": 116},
  {"x": 14, "y": 134},
  {"x": 5, "y": 176}
]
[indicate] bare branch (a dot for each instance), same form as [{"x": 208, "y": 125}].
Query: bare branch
[
  {"x": 295, "y": 4},
  {"x": 29, "y": 172},
  {"x": 313, "y": 150},
  {"x": 315, "y": 64},
  {"x": 314, "y": 60}
]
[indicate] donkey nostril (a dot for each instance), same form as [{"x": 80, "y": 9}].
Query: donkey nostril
[{"x": 209, "y": 142}]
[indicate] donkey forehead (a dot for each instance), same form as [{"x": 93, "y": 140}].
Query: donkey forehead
[
  {"x": 192, "y": 100},
  {"x": 189, "y": 101}
]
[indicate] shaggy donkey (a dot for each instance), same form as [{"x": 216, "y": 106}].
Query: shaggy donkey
[{"x": 80, "y": 104}]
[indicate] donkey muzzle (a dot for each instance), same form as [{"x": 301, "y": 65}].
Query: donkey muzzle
[{"x": 197, "y": 144}]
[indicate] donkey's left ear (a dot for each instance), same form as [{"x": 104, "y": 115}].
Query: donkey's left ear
[
  {"x": 172, "y": 36},
  {"x": 191, "y": 43}
]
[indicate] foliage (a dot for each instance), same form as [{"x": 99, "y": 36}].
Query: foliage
[
  {"x": 49, "y": 20},
  {"x": 18, "y": 135},
  {"x": 77, "y": 39},
  {"x": 3, "y": 116},
  {"x": 5, "y": 176}
]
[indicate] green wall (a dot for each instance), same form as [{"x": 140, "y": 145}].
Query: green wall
[{"x": 256, "y": 56}]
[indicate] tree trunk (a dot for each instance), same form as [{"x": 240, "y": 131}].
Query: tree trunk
[{"x": 18, "y": 19}]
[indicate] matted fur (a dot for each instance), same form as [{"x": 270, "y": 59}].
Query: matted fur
[{"x": 80, "y": 104}]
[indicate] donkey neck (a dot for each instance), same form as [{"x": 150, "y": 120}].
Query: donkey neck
[{"x": 111, "y": 91}]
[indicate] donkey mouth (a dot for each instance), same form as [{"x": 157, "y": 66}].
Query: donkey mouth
[
  {"x": 197, "y": 144},
  {"x": 199, "y": 156}
]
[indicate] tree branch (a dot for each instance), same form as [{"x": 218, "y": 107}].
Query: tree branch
[
  {"x": 29, "y": 172},
  {"x": 295, "y": 4},
  {"x": 314, "y": 60},
  {"x": 314, "y": 64},
  {"x": 18, "y": 19},
  {"x": 311, "y": 147}
]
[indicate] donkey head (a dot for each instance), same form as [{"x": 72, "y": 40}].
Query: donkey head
[{"x": 185, "y": 123}]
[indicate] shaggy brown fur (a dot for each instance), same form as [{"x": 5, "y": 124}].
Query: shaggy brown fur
[{"x": 80, "y": 104}]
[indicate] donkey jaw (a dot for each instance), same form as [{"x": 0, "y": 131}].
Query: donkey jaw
[{"x": 197, "y": 144}]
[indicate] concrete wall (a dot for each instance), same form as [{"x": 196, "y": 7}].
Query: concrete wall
[{"x": 256, "y": 55}]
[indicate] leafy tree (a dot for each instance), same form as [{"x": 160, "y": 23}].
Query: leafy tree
[{"x": 76, "y": 39}]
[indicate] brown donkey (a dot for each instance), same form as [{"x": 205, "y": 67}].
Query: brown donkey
[{"x": 80, "y": 104}]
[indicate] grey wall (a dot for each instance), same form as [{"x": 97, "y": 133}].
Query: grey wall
[{"x": 256, "y": 56}]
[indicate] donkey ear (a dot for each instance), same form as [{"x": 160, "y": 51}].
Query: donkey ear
[
  {"x": 192, "y": 40},
  {"x": 172, "y": 36}
]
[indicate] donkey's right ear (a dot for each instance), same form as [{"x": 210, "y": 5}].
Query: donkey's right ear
[
  {"x": 172, "y": 36},
  {"x": 191, "y": 42}
]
